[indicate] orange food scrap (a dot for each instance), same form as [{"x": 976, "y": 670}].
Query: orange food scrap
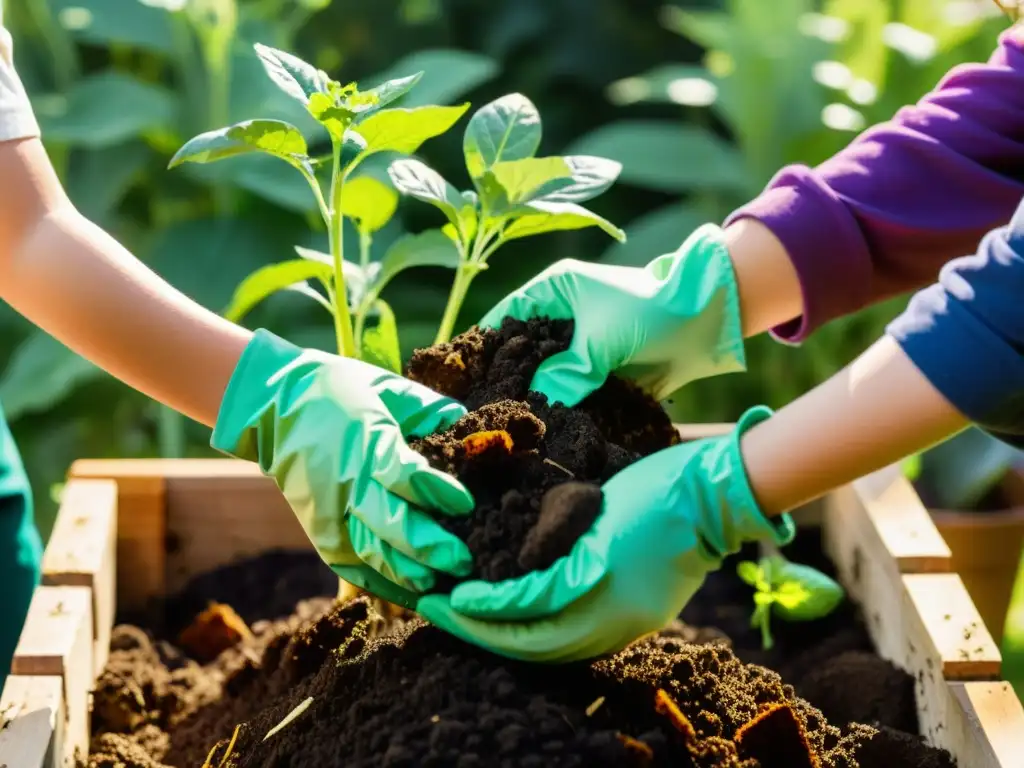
[
  {"x": 778, "y": 729},
  {"x": 665, "y": 705},
  {"x": 213, "y": 631},
  {"x": 455, "y": 360},
  {"x": 479, "y": 442},
  {"x": 637, "y": 747}
]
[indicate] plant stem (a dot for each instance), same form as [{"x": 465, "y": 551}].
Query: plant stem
[
  {"x": 463, "y": 277},
  {"x": 342, "y": 315},
  {"x": 171, "y": 433},
  {"x": 365, "y": 240},
  {"x": 219, "y": 113}
]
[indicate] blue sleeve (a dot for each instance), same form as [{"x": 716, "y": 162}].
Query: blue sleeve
[{"x": 966, "y": 332}]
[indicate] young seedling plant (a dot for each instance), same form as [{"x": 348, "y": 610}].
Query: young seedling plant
[
  {"x": 516, "y": 194},
  {"x": 791, "y": 591}
]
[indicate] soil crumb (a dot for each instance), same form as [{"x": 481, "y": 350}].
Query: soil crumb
[{"x": 513, "y": 448}]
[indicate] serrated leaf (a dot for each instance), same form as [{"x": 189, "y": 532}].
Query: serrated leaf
[
  {"x": 273, "y": 137},
  {"x": 404, "y": 130},
  {"x": 506, "y": 129},
  {"x": 368, "y": 202},
  {"x": 531, "y": 177},
  {"x": 41, "y": 373},
  {"x": 426, "y": 249},
  {"x": 669, "y": 157},
  {"x": 380, "y": 345},
  {"x": 416, "y": 179},
  {"x": 105, "y": 109},
  {"x": 291, "y": 74},
  {"x": 589, "y": 177},
  {"x": 269, "y": 280},
  {"x": 538, "y": 217}
]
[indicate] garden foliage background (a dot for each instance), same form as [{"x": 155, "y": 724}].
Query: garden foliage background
[{"x": 702, "y": 102}]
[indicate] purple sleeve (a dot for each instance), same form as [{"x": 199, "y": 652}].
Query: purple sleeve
[{"x": 881, "y": 217}]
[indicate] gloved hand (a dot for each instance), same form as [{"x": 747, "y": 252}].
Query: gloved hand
[
  {"x": 331, "y": 432},
  {"x": 667, "y": 521},
  {"x": 672, "y": 322}
]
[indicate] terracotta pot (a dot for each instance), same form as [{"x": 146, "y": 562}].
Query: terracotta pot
[{"x": 986, "y": 547}]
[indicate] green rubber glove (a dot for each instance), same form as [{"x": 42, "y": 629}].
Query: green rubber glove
[
  {"x": 331, "y": 432},
  {"x": 667, "y": 521},
  {"x": 667, "y": 324}
]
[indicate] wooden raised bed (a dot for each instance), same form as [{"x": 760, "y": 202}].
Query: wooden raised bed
[{"x": 131, "y": 530}]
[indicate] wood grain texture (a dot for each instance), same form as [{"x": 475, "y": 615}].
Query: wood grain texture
[
  {"x": 57, "y": 641},
  {"x": 82, "y": 552}
]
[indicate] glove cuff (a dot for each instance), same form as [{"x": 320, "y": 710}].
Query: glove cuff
[
  {"x": 248, "y": 394},
  {"x": 750, "y": 522}
]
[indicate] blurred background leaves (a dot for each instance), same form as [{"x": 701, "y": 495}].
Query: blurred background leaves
[{"x": 702, "y": 102}]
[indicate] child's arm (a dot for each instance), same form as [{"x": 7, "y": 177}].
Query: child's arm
[
  {"x": 882, "y": 216},
  {"x": 955, "y": 356},
  {"x": 77, "y": 283}
]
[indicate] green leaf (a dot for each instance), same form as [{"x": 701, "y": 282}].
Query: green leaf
[
  {"x": 269, "y": 280},
  {"x": 416, "y": 179},
  {"x": 41, "y": 373},
  {"x": 426, "y": 249},
  {"x": 386, "y": 93},
  {"x": 115, "y": 22},
  {"x": 539, "y": 216},
  {"x": 531, "y": 177},
  {"x": 404, "y": 130},
  {"x": 105, "y": 109},
  {"x": 368, "y": 202},
  {"x": 380, "y": 343},
  {"x": 448, "y": 73},
  {"x": 357, "y": 279},
  {"x": 274, "y": 137},
  {"x": 332, "y": 117},
  {"x": 750, "y": 572},
  {"x": 669, "y": 157},
  {"x": 683, "y": 84},
  {"x": 803, "y": 593},
  {"x": 291, "y": 74},
  {"x": 590, "y": 176},
  {"x": 506, "y": 129},
  {"x": 654, "y": 234}
]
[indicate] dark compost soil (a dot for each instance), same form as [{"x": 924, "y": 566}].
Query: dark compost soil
[{"x": 365, "y": 690}]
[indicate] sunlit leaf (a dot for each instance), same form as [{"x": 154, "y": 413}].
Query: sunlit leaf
[
  {"x": 357, "y": 279},
  {"x": 506, "y": 129},
  {"x": 380, "y": 345},
  {"x": 589, "y": 177},
  {"x": 269, "y": 280},
  {"x": 291, "y": 74},
  {"x": 386, "y": 93},
  {"x": 404, "y": 130},
  {"x": 538, "y": 217},
  {"x": 274, "y": 137},
  {"x": 523, "y": 180},
  {"x": 416, "y": 179},
  {"x": 368, "y": 202}
]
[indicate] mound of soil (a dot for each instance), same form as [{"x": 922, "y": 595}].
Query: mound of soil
[
  {"x": 514, "y": 450},
  {"x": 333, "y": 684}
]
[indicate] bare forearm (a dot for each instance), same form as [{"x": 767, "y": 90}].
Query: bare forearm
[
  {"x": 873, "y": 413},
  {"x": 77, "y": 283},
  {"x": 769, "y": 288}
]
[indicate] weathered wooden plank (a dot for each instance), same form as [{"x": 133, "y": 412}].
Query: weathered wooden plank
[
  {"x": 984, "y": 725},
  {"x": 56, "y": 641},
  {"x": 82, "y": 552},
  {"x": 32, "y": 718},
  {"x": 141, "y": 527}
]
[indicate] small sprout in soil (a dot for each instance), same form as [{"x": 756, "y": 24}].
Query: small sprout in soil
[
  {"x": 791, "y": 591},
  {"x": 289, "y": 718},
  {"x": 482, "y": 442},
  {"x": 594, "y": 706},
  {"x": 227, "y": 753}
]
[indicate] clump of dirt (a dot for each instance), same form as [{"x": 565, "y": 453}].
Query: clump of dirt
[{"x": 514, "y": 449}]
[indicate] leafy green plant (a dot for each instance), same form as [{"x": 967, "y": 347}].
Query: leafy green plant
[
  {"x": 791, "y": 591},
  {"x": 515, "y": 193}
]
